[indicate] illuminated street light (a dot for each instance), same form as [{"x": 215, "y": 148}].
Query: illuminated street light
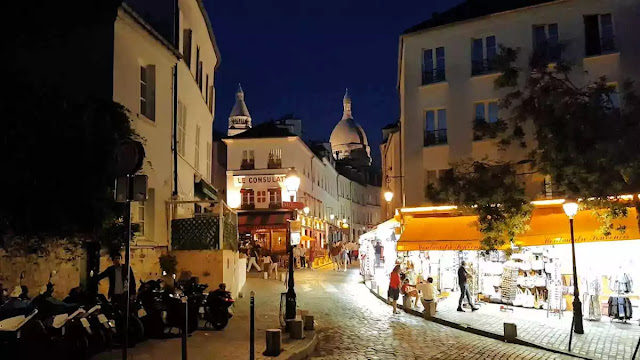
[
  {"x": 388, "y": 195},
  {"x": 292, "y": 182},
  {"x": 571, "y": 209},
  {"x": 306, "y": 210}
]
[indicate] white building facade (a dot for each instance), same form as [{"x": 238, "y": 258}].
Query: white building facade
[
  {"x": 446, "y": 81},
  {"x": 149, "y": 75}
]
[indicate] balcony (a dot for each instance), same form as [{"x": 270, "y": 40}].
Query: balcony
[
  {"x": 433, "y": 76},
  {"x": 275, "y": 205},
  {"x": 435, "y": 137},
  {"x": 248, "y": 206},
  {"x": 481, "y": 67},
  {"x": 247, "y": 165},
  {"x": 274, "y": 164},
  {"x": 482, "y": 129}
]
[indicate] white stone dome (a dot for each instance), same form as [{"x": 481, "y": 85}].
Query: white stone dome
[{"x": 348, "y": 131}]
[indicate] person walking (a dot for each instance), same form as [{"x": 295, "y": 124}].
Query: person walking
[
  {"x": 464, "y": 287},
  {"x": 296, "y": 256},
  {"x": 335, "y": 255},
  {"x": 394, "y": 288},
  {"x": 116, "y": 274},
  {"x": 345, "y": 257},
  {"x": 310, "y": 256},
  {"x": 275, "y": 261},
  {"x": 303, "y": 256},
  {"x": 254, "y": 253}
]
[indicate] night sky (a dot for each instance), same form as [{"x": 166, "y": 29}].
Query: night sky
[{"x": 298, "y": 56}]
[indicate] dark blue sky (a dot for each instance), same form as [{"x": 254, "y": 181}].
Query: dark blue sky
[{"x": 297, "y": 56}]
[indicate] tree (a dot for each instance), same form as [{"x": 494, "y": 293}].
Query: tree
[
  {"x": 585, "y": 132},
  {"x": 58, "y": 164},
  {"x": 491, "y": 190}
]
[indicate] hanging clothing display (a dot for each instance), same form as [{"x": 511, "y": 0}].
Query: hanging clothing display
[
  {"x": 621, "y": 283},
  {"x": 620, "y": 308},
  {"x": 591, "y": 288}
]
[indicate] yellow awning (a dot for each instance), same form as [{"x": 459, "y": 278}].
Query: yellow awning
[
  {"x": 549, "y": 226},
  {"x": 307, "y": 238},
  {"x": 440, "y": 233}
]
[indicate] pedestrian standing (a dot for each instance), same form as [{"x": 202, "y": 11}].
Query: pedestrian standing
[
  {"x": 296, "y": 256},
  {"x": 464, "y": 287},
  {"x": 303, "y": 257},
  {"x": 378, "y": 251},
  {"x": 394, "y": 288},
  {"x": 117, "y": 275},
  {"x": 254, "y": 252},
  {"x": 312, "y": 254},
  {"x": 275, "y": 261},
  {"x": 335, "y": 255},
  {"x": 345, "y": 258}
]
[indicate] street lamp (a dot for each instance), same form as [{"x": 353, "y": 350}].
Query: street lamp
[
  {"x": 306, "y": 210},
  {"x": 388, "y": 195},
  {"x": 571, "y": 209},
  {"x": 332, "y": 216},
  {"x": 292, "y": 183}
]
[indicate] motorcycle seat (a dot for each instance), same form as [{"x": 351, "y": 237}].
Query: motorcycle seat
[
  {"x": 14, "y": 323},
  {"x": 76, "y": 313},
  {"x": 92, "y": 310},
  {"x": 60, "y": 320}
]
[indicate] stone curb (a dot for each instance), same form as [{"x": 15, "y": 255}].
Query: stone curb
[
  {"x": 480, "y": 332},
  {"x": 301, "y": 350}
]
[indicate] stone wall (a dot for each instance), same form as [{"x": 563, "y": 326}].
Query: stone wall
[{"x": 211, "y": 267}]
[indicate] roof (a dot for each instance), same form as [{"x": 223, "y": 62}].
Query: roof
[
  {"x": 240, "y": 107},
  {"x": 471, "y": 9},
  {"x": 348, "y": 131},
  {"x": 131, "y": 12},
  {"x": 210, "y": 30},
  {"x": 264, "y": 130}
]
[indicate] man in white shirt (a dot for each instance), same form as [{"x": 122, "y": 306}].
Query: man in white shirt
[{"x": 429, "y": 294}]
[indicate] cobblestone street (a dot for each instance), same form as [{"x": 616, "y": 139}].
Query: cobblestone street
[{"x": 353, "y": 324}]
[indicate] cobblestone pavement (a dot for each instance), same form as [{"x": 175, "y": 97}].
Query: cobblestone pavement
[{"x": 354, "y": 324}]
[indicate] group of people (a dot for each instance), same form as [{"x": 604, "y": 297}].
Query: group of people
[
  {"x": 303, "y": 257},
  {"x": 400, "y": 282},
  {"x": 342, "y": 254}
]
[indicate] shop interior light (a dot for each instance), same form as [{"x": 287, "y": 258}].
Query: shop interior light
[
  {"x": 548, "y": 202},
  {"x": 570, "y": 208},
  {"x": 388, "y": 196}
]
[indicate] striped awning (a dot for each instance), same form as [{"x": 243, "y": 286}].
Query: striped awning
[{"x": 262, "y": 220}]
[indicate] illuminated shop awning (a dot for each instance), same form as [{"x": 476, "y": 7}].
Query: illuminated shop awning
[
  {"x": 262, "y": 220},
  {"x": 549, "y": 226},
  {"x": 307, "y": 238}
]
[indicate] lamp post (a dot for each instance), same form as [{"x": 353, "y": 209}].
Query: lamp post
[
  {"x": 571, "y": 209},
  {"x": 292, "y": 182},
  {"x": 388, "y": 196}
]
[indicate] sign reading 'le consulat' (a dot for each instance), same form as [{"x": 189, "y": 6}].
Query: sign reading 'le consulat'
[{"x": 259, "y": 179}]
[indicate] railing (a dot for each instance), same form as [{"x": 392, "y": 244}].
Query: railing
[
  {"x": 479, "y": 67},
  {"x": 276, "y": 205},
  {"x": 247, "y": 165},
  {"x": 435, "y": 137},
  {"x": 248, "y": 206},
  {"x": 483, "y": 129},
  {"x": 274, "y": 164},
  {"x": 433, "y": 76}
]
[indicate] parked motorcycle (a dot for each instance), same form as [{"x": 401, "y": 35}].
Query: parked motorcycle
[{"x": 217, "y": 307}]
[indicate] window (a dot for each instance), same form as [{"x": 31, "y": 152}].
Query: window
[
  {"x": 209, "y": 158},
  {"x": 430, "y": 74},
  {"x": 198, "y": 74},
  {"x": 436, "y": 127},
  {"x": 275, "y": 196},
  {"x": 196, "y": 161},
  {"x": 275, "y": 159},
  {"x": 182, "y": 127},
  {"x": 545, "y": 42},
  {"x": 148, "y": 91},
  {"x": 186, "y": 46},
  {"x": 598, "y": 34},
  {"x": 206, "y": 91},
  {"x": 486, "y": 113},
  {"x": 248, "y": 199},
  {"x": 483, "y": 52},
  {"x": 262, "y": 196},
  {"x": 137, "y": 217},
  {"x": 248, "y": 160},
  {"x": 211, "y": 99}
]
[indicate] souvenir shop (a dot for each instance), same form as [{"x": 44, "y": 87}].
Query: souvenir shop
[
  {"x": 537, "y": 271},
  {"x": 378, "y": 254}
]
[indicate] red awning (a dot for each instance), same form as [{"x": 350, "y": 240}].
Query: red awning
[{"x": 262, "y": 220}]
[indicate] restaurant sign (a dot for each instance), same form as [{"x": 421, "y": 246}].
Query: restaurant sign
[{"x": 258, "y": 179}]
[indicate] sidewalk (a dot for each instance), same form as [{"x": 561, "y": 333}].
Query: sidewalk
[
  {"x": 604, "y": 339},
  {"x": 233, "y": 341}
]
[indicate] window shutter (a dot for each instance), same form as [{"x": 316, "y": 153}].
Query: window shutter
[
  {"x": 188, "y": 33},
  {"x": 211, "y": 99},
  {"x": 151, "y": 92}
]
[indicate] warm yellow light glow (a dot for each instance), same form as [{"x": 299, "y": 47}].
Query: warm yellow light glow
[
  {"x": 292, "y": 182},
  {"x": 332, "y": 216},
  {"x": 344, "y": 220},
  {"x": 306, "y": 210},
  {"x": 388, "y": 195},
  {"x": 548, "y": 202},
  {"x": 428, "y": 209},
  {"x": 345, "y": 225},
  {"x": 234, "y": 199},
  {"x": 570, "y": 208}
]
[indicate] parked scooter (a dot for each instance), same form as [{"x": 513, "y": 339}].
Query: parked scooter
[
  {"x": 18, "y": 328},
  {"x": 217, "y": 308},
  {"x": 196, "y": 303}
]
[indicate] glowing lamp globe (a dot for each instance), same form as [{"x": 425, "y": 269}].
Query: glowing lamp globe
[
  {"x": 570, "y": 208},
  {"x": 388, "y": 195}
]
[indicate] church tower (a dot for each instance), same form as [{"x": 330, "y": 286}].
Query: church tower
[{"x": 239, "y": 119}]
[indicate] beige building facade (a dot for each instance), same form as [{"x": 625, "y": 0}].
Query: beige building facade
[{"x": 446, "y": 81}]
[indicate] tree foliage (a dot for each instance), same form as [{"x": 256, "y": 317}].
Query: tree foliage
[
  {"x": 58, "y": 164},
  {"x": 491, "y": 190}
]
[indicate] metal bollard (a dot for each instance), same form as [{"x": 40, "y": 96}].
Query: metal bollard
[
  {"x": 636, "y": 351},
  {"x": 252, "y": 326},
  {"x": 571, "y": 334},
  {"x": 186, "y": 328}
]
